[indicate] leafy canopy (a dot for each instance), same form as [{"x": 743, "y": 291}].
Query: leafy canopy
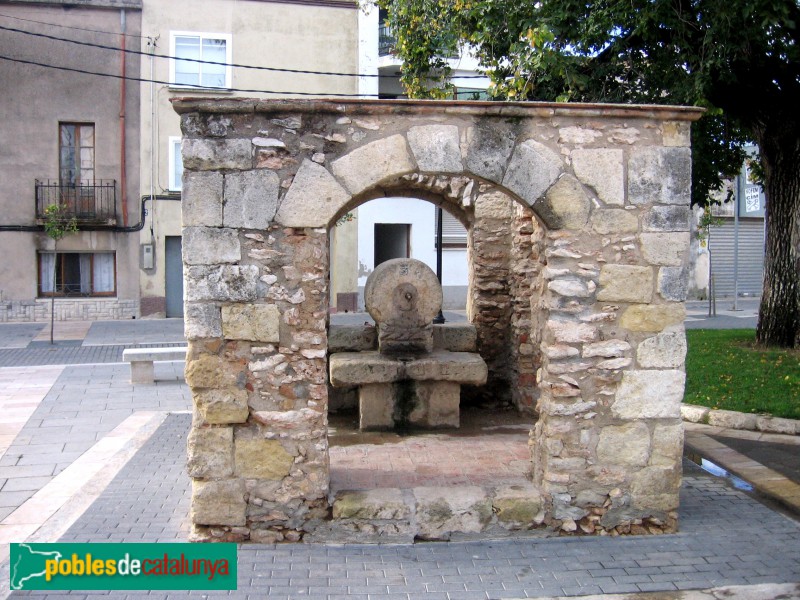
[{"x": 738, "y": 58}]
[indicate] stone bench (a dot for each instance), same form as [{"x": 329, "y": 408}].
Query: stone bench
[
  {"x": 142, "y": 359},
  {"x": 423, "y": 391}
]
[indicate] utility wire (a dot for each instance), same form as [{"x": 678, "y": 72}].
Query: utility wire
[
  {"x": 211, "y": 62},
  {"x": 132, "y": 35},
  {"x": 188, "y": 85}
]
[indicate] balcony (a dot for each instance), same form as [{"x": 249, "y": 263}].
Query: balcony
[
  {"x": 91, "y": 203},
  {"x": 386, "y": 41}
]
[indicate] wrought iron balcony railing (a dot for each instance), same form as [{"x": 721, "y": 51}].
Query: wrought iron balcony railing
[
  {"x": 386, "y": 40},
  {"x": 92, "y": 202}
]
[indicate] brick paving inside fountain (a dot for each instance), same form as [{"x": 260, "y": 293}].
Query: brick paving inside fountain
[{"x": 490, "y": 449}]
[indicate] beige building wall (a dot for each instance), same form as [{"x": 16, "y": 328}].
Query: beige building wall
[
  {"x": 33, "y": 102},
  {"x": 318, "y": 36}
]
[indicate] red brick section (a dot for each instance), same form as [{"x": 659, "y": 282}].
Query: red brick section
[{"x": 433, "y": 459}]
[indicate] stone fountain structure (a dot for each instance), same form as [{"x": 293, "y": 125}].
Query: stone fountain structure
[
  {"x": 405, "y": 383},
  {"x": 578, "y": 223}
]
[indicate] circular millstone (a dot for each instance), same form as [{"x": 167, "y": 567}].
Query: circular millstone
[{"x": 400, "y": 288}]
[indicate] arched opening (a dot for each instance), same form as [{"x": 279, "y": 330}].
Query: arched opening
[{"x": 501, "y": 260}]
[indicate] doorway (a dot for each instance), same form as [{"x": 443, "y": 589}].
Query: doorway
[
  {"x": 392, "y": 240},
  {"x": 174, "y": 276}
]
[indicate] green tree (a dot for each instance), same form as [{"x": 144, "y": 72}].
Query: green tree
[
  {"x": 57, "y": 225},
  {"x": 738, "y": 58}
]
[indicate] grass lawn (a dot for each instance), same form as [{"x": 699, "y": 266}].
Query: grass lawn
[{"x": 726, "y": 370}]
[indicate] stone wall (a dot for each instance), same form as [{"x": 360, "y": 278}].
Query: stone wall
[
  {"x": 603, "y": 266},
  {"x": 67, "y": 309}
]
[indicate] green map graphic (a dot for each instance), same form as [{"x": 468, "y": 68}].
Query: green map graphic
[{"x": 27, "y": 563}]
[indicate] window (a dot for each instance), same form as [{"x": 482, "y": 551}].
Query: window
[
  {"x": 76, "y": 153},
  {"x": 175, "y": 164},
  {"x": 187, "y": 48},
  {"x": 453, "y": 233},
  {"x": 77, "y": 274}
]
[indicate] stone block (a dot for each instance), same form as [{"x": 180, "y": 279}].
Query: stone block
[
  {"x": 358, "y": 368},
  {"x": 572, "y": 287},
  {"x": 304, "y": 423},
  {"x": 211, "y": 371},
  {"x": 252, "y": 322},
  {"x": 436, "y": 404},
  {"x": 732, "y": 419},
  {"x": 602, "y": 169},
  {"x": 313, "y": 200},
  {"x": 627, "y": 444},
  {"x": 656, "y": 488},
  {"x": 625, "y": 283},
  {"x": 455, "y": 337},
  {"x": 494, "y": 205},
  {"x": 458, "y": 367},
  {"x": 570, "y": 332},
  {"x": 778, "y": 425},
  {"x": 606, "y": 349},
  {"x": 667, "y": 445},
  {"x": 373, "y": 163},
  {"x": 533, "y": 168},
  {"x": 256, "y": 458},
  {"x": 202, "y": 321},
  {"x": 569, "y": 202},
  {"x": 201, "y": 199},
  {"x": 517, "y": 505},
  {"x": 442, "y": 511},
  {"x": 673, "y": 283},
  {"x": 225, "y": 283},
  {"x": 667, "y": 350},
  {"x": 222, "y": 406},
  {"x": 649, "y": 395},
  {"x": 664, "y": 248},
  {"x": 489, "y": 146},
  {"x": 660, "y": 176},
  {"x": 218, "y": 503},
  {"x": 376, "y": 403},
  {"x": 657, "y": 317},
  {"x": 210, "y": 452},
  {"x": 694, "y": 414},
  {"x": 676, "y": 133},
  {"x": 381, "y": 504},
  {"x": 352, "y": 338},
  {"x": 210, "y": 246},
  {"x": 210, "y": 155},
  {"x": 667, "y": 218},
  {"x": 606, "y": 221},
  {"x": 436, "y": 148},
  {"x": 251, "y": 199}
]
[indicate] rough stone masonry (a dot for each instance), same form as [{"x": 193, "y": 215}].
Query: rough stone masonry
[{"x": 578, "y": 217}]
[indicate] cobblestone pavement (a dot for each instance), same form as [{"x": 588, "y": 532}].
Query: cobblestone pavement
[{"x": 726, "y": 538}]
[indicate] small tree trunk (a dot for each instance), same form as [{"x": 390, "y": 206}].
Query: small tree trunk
[
  {"x": 53, "y": 292},
  {"x": 779, "y": 315}
]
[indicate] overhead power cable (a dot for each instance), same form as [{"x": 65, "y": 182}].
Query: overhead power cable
[
  {"x": 131, "y": 35},
  {"x": 191, "y": 86},
  {"x": 211, "y": 62}
]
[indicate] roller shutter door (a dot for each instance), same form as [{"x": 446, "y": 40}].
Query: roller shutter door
[{"x": 751, "y": 257}]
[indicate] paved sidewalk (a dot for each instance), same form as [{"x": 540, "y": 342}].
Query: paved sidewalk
[{"x": 90, "y": 457}]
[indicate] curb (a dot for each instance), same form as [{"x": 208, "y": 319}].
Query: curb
[{"x": 736, "y": 420}]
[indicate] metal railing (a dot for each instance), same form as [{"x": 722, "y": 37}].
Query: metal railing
[
  {"x": 91, "y": 202},
  {"x": 386, "y": 41}
]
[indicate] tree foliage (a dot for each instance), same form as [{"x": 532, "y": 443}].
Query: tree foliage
[{"x": 740, "y": 59}]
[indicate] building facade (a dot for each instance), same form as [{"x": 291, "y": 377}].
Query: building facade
[
  {"x": 284, "y": 36},
  {"x": 70, "y": 137}
]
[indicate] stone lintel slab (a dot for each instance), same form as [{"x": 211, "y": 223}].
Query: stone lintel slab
[
  {"x": 359, "y": 368},
  {"x": 441, "y": 365}
]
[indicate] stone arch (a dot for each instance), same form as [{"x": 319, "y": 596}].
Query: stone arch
[
  {"x": 264, "y": 179},
  {"x": 318, "y": 194}
]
